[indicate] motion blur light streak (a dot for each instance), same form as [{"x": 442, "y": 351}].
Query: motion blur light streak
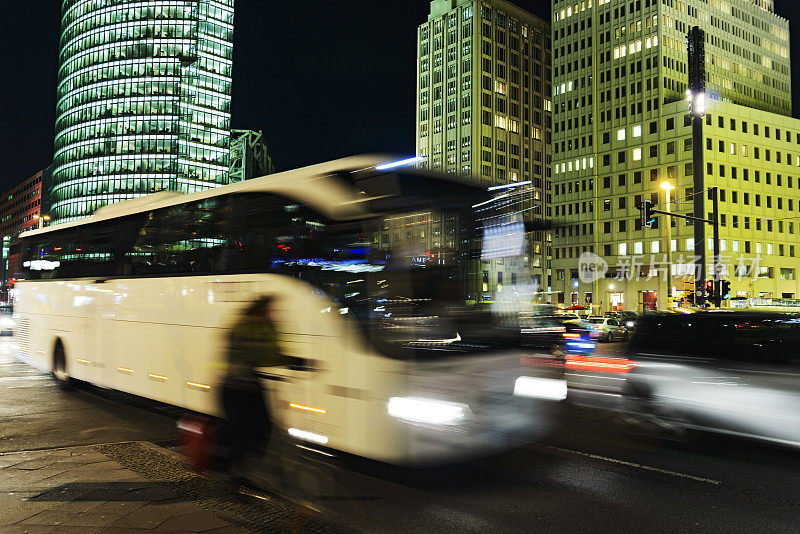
[
  {"x": 315, "y": 450},
  {"x": 596, "y": 363},
  {"x": 506, "y": 186},
  {"x": 308, "y": 436},
  {"x": 431, "y": 411},
  {"x": 307, "y": 408},
  {"x": 198, "y": 386},
  {"x": 400, "y": 163},
  {"x": 540, "y": 388}
]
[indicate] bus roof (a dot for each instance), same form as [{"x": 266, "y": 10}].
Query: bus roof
[{"x": 313, "y": 185}]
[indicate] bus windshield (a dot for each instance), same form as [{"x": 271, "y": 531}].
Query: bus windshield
[{"x": 437, "y": 282}]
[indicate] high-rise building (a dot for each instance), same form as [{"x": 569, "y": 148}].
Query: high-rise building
[
  {"x": 483, "y": 107},
  {"x": 622, "y": 128},
  {"x": 143, "y": 100},
  {"x": 250, "y": 156}
]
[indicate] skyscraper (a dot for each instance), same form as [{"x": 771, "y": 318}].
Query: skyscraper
[
  {"x": 622, "y": 128},
  {"x": 143, "y": 100},
  {"x": 483, "y": 106}
]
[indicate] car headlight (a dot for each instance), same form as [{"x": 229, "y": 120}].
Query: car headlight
[
  {"x": 429, "y": 411},
  {"x": 540, "y": 388},
  {"x": 630, "y": 324}
]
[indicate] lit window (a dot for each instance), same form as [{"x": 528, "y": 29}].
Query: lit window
[
  {"x": 623, "y": 249},
  {"x": 637, "y": 131},
  {"x": 637, "y": 154},
  {"x": 621, "y": 134},
  {"x": 638, "y": 247},
  {"x": 655, "y": 247}
]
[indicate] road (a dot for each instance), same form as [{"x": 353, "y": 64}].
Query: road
[{"x": 592, "y": 475}]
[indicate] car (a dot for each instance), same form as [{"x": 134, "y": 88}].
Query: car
[
  {"x": 571, "y": 317},
  {"x": 607, "y": 328},
  {"x": 556, "y": 333},
  {"x": 727, "y": 372}
]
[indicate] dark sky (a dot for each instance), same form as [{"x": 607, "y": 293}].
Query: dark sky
[{"x": 321, "y": 79}]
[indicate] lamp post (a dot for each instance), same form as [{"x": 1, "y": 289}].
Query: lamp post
[
  {"x": 41, "y": 218},
  {"x": 667, "y": 187},
  {"x": 697, "y": 99}
]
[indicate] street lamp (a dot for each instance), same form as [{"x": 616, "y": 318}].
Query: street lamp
[
  {"x": 41, "y": 218},
  {"x": 667, "y": 187}
]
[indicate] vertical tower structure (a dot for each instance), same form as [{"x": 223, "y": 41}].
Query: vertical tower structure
[
  {"x": 143, "y": 101},
  {"x": 620, "y": 71},
  {"x": 483, "y": 107}
]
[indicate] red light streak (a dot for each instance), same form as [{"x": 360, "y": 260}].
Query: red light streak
[{"x": 598, "y": 364}]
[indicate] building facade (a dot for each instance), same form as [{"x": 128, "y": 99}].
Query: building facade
[
  {"x": 622, "y": 128},
  {"x": 20, "y": 210},
  {"x": 143, "y": 101},
  {"x": 250, "y": 156},
  {"x": 483, "y": 109}
]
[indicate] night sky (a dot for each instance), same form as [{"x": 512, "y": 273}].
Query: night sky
[{"x": 321, "y": 79}]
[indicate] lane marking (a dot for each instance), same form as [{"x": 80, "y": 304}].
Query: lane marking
[{"x": 638, "y": 466}]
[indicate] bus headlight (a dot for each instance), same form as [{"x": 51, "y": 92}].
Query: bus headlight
[
  {"x": 429, "y": 411},
  {"x": 540, "y": 388}
]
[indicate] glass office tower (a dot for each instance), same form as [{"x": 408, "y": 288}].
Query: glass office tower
[{"x": 143, "y": 101}]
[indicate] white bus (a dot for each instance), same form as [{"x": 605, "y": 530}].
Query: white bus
[{"x": 379, "y": 273}]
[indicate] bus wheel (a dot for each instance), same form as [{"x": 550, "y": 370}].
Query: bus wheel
[{"x": 60, "y": 367}]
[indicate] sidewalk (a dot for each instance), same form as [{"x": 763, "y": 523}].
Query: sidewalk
[
  {"x": 81, "y": 490},
  {"x": 87, "y": 490}
]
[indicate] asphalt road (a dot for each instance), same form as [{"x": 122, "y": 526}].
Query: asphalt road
[{"x": 592, "y": 475}]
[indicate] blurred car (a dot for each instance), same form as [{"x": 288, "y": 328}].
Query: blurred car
[
  {"x": 556, "y": 333},
  {"x": 607, "y": 328},
  {"x": 571, "y": 317},
  {"x": 626, "y": 318},
  {"x": 735, "y": 373},
  {"x": 6, "y": 324}
]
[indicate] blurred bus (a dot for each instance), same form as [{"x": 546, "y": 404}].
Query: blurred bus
[{"x": 378, "y": 271}]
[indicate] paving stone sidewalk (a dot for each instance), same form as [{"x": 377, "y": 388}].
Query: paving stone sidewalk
[{"x": 82, "y": 489}]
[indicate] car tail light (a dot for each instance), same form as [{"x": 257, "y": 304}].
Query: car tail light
[{"x": 571, "y": 335}]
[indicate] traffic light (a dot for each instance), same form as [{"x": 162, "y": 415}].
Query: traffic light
[
  {"x": 648, "y": 217},
  {"x": 725, "y": 289},
  {"x": 710, "y": 291}
]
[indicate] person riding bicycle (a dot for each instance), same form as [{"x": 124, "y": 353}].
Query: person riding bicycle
[{"x": 252, "y": 343}]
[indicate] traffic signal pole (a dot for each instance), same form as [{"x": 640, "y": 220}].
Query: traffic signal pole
[
  {"x": 717, "y": 259},
  {"x": 698, "y": 188},
  {"x": 695, "y": 45},
  {"x": 714, "y": 292}
]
